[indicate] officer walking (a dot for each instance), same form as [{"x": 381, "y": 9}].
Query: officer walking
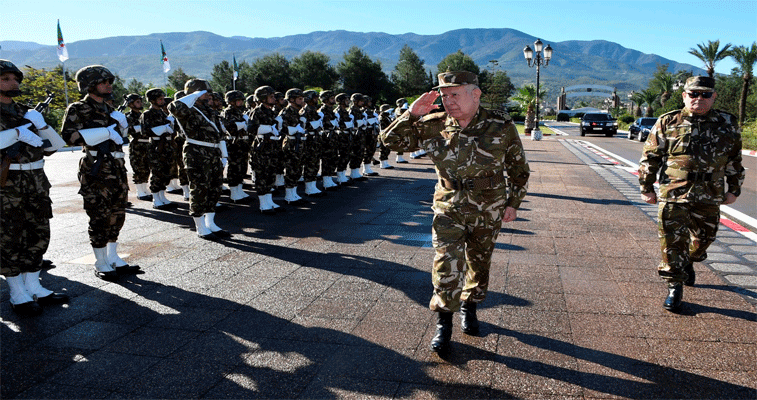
[
  {"x": 472, "y": 148},
  {"x": 93, "y": 124},
  {"x": 25, "y": 205},
  {"x": 697, "y": 152}
]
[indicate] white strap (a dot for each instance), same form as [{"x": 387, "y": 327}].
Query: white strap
[
  {"x": 201, "y": 143},
  {"x": 115, "y": 154},
  {"x": 207, "y": 119},
  {"x": 27, "y": 166}
]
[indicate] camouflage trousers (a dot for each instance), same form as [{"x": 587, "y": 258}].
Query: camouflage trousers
[
  {"x": 178, "y": 170},
  {"x": 685, "y": 230},
  {"x": 464, "y": 240},
  {"x": 205, "y": 173},
  {"x": 369, "y": 149},
  {"x": 239, "y": 158},
  {"x": 104, "y": 196},
  {"x": 344, "y": 142},
  {"x": 311, "y": 157},
  {"x": 25, "y": 212},
  {"x": 357, "y": 148},
  {"x": 264, "y": 161},
  {"x": 329, "y": 152},
  {"x": 293, "y": 161},
  {"x": 384, "y": 152},
  {"x": 162, "y": 156},
  {"x": 139, "y": 159}
]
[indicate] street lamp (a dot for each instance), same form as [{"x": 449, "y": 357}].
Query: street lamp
[{"x": 538, "y": 61}]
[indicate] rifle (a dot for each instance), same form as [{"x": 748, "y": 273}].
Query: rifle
[
  {"x": 122, "y": 107},
  {"x": 44, "y": 105}
]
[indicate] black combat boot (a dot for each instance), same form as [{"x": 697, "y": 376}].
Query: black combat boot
[
  {"x": 692, "y": 277},
  {"x": 440, "y": 342},
  {"x": 469, "y": 322},
  {"x": 675, "y": 294}
]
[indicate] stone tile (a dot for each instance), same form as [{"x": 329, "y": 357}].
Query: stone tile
[
  {"x": 146, "y": 341},
  {"x": 605, "y": 325},
  {"x": 104, "y": 370},
  {"x": 88, "y": 335},
  {"x": 176, "y": 378}
]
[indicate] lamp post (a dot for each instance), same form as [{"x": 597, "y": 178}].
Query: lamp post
[{"x": 538, "y": 61}]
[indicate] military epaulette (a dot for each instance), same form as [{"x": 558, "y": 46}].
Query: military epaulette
[
  {"x": 433, "y": 116},
  {"x": 499, "y": 115},
  {"x": 669, "y": 113},
  {"x": 732, "y": 119}
]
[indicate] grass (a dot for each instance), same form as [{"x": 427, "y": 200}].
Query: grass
[
  {"x": 544, "y": 129},
  {"x": 749, "y": 135}
]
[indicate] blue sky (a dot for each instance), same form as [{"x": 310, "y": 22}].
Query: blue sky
[{"x": 665, "y": 28}]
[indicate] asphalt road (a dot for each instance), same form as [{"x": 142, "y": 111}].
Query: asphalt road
[{"x": 631, "y": 151}]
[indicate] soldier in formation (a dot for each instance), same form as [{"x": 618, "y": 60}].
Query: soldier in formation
[
  {"x": 139, "y": 147},
  {"x": 99, "y": 129},
  {"x": 25, "y": 205},
  {"x": 292, "y": 145},
  {"x": 370, "y": 144},
  {"x": 265, "y": 148},
  {"x": 329, "y": 139},
  {"x": 472, "y": 149},
  {"x": 359, "y": 136},
  {"x": 697, "y": 153},
  {"x": 385, "y": 118},
  {"x": 344, "y": 136},
  {"x": 156, "y": 125},
  {"x": 238, "y": 145},
  {"x": 312, "y": 121}
]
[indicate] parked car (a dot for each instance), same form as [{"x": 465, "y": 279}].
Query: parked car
[
  {"x": 641, "y": 128},
  {"x": 599, "y": 123}
]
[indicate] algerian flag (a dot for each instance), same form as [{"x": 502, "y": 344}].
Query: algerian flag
[
  {"x": 62, "y": 50},
  {"x": 236, "y": 68},
  {"x": 166, "y": 64}
]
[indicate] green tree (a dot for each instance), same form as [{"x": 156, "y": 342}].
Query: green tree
[
  {"x": 745, "y": 57},
  {"x": 178, "y": 78},
  {"x": 37, "y": 82},
  {"x": 663, "y": 82},
  {"x": 526, "y": 98},
  {"x": 137, "y": 87},
  {"x": 409, "y": 75},
  {"x": 650, "y": 97},
  {"x": 221, "y": 78},
  {"x": 710, "y": 53},
  {"x": 312, "y": 69},
  {"x": 457, "y": 61},
  {"x": 638, "y": 99},
  {"x": 497, "y": 89},
  {"x": 272, "y": 70},
  {"x": 361, "y": 74}
]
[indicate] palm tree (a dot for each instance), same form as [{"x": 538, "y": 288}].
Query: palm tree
[
  {"x": 526, "y": 97},
  {"x": 650, "y": 97},
  {"x": 638, "y": 98},
  {"x": 745, "y": 57},
  {"x": 710, "y": 54},
  {"x": 665, "y": 84}
]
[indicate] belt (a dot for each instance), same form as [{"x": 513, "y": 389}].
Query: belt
[
  {"x": 472, "y": 184},
  {"x": 201, "y": 143},
  {"x": 143, "y": 140},
  {"x": 272, "y": 137},
  {"x": 245, "y": 137},
  {"x": 155, "y": 138},
  {"x": 27, "y": 166},
  {"x": 295, "y": 137},
  {"x": 115, "y": 154}
]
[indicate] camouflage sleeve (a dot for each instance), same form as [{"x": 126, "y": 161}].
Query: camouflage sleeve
[
  {"x": 179, "y": 110},
  {"x": 734, "y": 170},
  {"x": 72, "y": 123},
  {"x": 407, "y": 132},
  {"x": 516, "y": 166},
  {"x": 652, "y": 157}
]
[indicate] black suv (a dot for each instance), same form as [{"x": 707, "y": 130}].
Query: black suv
[
  {"x": 600, "y": 123},
  {"x": 641, "y": 127}
]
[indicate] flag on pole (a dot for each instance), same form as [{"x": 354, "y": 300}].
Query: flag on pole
[
  {"x": 164, "y": 58},
  {"x": 62, "y": 50},
  {"x": 236, "y": 68}
]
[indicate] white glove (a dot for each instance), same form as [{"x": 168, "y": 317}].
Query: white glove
[
  {"x": 224, "y": 161},
  {"x": 335, "y": 122},
  {"x": 190, "y": 99},
  {"x": 349, "y": 125},
  {"x": 274, "y": 130},
  {"x": 315, "y": 124},
  {"x": 114, "y": 135},
  {"x": 161, "y": 129},
  {"x": 280, "y": 122},
  {"x": 171, "y": 118},
  {"x": 360, "y": 123},
  {"x": 303, "y": 120},
  {"x": 28, "y": 137},
  {"x": 264, "y": 129},
  {"x": 300, "y": 129},
  {"x": 246, "y": 118},
  {"x": 121, "y": 118},
  {"x": 320, "y": 114},
  {"x": 36, "y": 118},
  {"x": 138, "y": 128},
  {"x": 241, "y": 126}
]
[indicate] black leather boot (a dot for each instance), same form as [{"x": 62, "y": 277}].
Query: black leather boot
[
  {"x": 440, "y": 342},
  {"x": 675, "y": 295},
  {"x": 692, "y": 277},
  {"x": 469, "y": 322}
]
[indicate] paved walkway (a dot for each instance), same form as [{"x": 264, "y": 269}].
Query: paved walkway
[{"x": 329, "y": 300}]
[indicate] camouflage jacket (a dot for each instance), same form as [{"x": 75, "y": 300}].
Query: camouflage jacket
[
  {"x": 344, "y": 117},
  {"x": 291, "y": 117},
  {"x": 151, "y": 118},
  {"x": 261, "y": 115},
  {"x": 357, "y": 115},
  {"x": 133, "y": 118},
  {"x": 229, "y": 117},
  {"x": 87, "y": 114},
  {"x": 487, "y": 147},
  {"x": 12, "y": 116},
  {"x": 310, "y": 114},
  {"x": 328, "y": 116},
  {"x": 694, "y": 155},
  {"x": 199, "y": 122},
  {"x": 384, "y": 120}
]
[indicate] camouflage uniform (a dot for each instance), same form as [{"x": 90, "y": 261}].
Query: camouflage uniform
[
  {"x": 265, "y": 150},
  {"x": 329, "y": 141},
  {"x": 161, "y": 149},
  {"x": 371, "y": 136},
  {"x": 203, "y": 162},
  {"x": 238, "y": 146},
  {"x": 468, "y": 219},
  {"x": 359, "y": 137},
  {"x": 102, "y": 171},
  {"x": 696, "y": 155},
  {"x": 384, "y": 121},
  {"x": 25, "y": 205},
  {"x": 311, "y": 154},
  {"x": 345, "y": 137},
  {"x": 292, "y": 145},
  {"x": 139, "y": 148}
]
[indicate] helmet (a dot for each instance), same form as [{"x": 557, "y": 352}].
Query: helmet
[
  {"x": 195, "y": 85},
  {"x": 90, "y": 76},
  {"x": 385, "y": 107},
  {"x": 279, "y": 95},
  {"x": 367, "y": 99},
  {"x": 400, "y": 101},
  {"x": 342, "y": 98},
  {"x": 310, "y": 95},
  {"x": 327, "y": 94},
  {"x": 356, "y": 97},
  {"x": 249, "y": 99},
  {"x": 132, "y": 97},
  {"x": 179, "y": 94},
  {"x": 154, "y": 94},
  {"x": 7, "y": 66},
  {"x": 234, "y": 95},
  {"x": 263, "y": 92},
  {"x": 293, "y": 93}
]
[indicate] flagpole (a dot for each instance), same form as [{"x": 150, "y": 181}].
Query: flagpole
[{"x": 65, "y": 82}]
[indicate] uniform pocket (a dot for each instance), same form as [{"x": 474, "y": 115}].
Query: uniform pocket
[{"x": 679, "y": 140}]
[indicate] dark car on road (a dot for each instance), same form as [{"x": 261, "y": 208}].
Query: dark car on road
[
  {"x": 641, "y": 128},
  {"x": 599, "y": 123}
]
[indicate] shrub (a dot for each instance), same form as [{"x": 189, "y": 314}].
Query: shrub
[
  {"x": 518, "y": 117},
  {"x": 563, "y": 117},
  {"x": 626, "y": 119},
  {"x": 749, "y": 135}
]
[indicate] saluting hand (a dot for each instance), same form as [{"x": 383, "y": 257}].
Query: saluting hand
[{"x": 424, "y": 104}]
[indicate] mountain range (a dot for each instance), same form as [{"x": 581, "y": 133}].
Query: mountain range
[{"x": 573, "y": 62}]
